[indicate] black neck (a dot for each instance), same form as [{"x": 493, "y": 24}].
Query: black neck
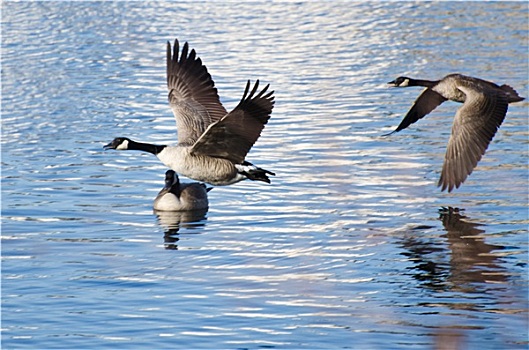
[
  {"x": 175, "y": 189},
  {"x": 145, "y": 147},
  {"x": 425, "y": 83}
]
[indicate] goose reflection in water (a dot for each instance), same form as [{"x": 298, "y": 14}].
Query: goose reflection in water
[
  {"x": 472, "y": 261},
  {"x": 172, "y": 221}
]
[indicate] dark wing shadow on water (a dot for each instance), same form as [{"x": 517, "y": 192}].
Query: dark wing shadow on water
[
  {"x": 173, "y": 221},
  {"x": 463, "y": 264},
  {"x": 472, "y": 260},
  {"x": 458, "y": 261}
]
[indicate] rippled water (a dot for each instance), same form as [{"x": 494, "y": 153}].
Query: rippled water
[{"x": 351, "y": 246}]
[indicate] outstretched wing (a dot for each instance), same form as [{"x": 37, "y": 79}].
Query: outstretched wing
[
  {"x": 475, "y": 124},
  {"x": 192, "y": 94},
  {"x": 427, "y": 101},
  {"x": 233, "y": 136}
]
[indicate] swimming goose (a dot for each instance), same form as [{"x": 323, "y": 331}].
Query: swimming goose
[
  {"x": 212, "y": 143},
  {"x": 475, "y": 124},
  {"x": 176, "y": 196}
]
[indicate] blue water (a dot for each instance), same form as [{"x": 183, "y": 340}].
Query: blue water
[{"x": 351, "y": 246}]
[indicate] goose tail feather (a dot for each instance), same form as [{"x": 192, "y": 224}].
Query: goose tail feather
[{"x": 254, "y": 173}]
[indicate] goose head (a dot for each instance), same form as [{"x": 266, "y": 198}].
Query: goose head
[
  {"x": 400, "y": 82},
  {"x": 171, "y": 179},
  {"x": 119, "y": 143}
]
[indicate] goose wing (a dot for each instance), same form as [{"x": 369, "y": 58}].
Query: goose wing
[
  {"x": 475, "y": 124},
  {"x": 233, "y": 136},
  {"x": 192, "y": 94},
  {"x": 427, "y": 101}
]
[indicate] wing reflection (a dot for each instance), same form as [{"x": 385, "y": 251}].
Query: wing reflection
[
  {"x": 470, "y": 259},
  {"x": 172, "y": 221}
]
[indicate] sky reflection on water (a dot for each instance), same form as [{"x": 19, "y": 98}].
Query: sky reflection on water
[{"x": 352, "y": 245}]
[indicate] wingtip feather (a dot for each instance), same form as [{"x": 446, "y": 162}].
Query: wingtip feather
[
  {"x": 176, "y": 49},
  {"x": 256, "y": 85},
  {"x": 246, "y": 89},
  {"x": 390, "y": 133}
]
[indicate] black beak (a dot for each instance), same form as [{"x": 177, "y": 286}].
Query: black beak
[
  {"x": 392, "y": 83},
  {"x": 109, "y": 146}
]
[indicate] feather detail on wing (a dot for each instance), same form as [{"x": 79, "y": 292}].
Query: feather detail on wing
[
  {"x": 427, "y": 101},
  {"x": 192, "y": 94},
  {"x": 234, "y": 135},
  {"x": 475, "y": 124}
]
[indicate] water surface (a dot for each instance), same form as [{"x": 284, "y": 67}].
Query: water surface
[{"x": 351, "y": 246}]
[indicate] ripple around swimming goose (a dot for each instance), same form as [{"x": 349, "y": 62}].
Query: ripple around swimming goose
[
  {"x": 475, "y": 123},
  {"x": 212, "y": 143}
]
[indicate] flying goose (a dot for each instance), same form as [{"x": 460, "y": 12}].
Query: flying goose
[
  {"x": 212, "y": 143},
  {"x": 176, "y": 196},
  {"x": 476, "y": 122}
]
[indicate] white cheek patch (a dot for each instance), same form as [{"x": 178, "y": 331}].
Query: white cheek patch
[
  {"x": 123, "y": 146},
  {"x": 405, "y": 83}
]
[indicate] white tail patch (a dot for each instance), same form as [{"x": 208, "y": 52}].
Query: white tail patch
[{"x": 245, "y": 168}]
